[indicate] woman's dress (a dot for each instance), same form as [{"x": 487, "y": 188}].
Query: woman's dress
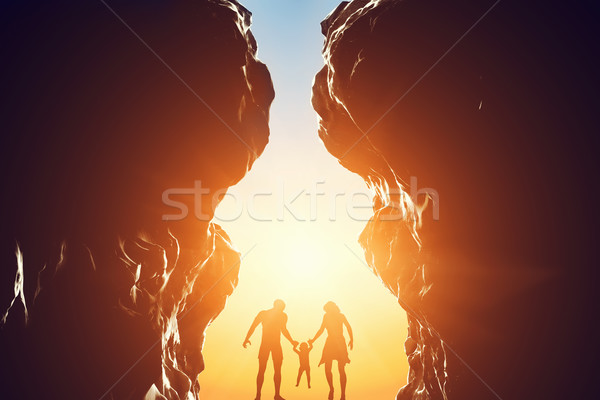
[{"x": 335, "y": 345}]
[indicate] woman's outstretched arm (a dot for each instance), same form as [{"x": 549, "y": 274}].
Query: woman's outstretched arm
[
  {"x": 349, "y": 328},
  {"x": 319, "y": 332}
]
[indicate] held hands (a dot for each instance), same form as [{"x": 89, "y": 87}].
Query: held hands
[
  {"x": 295, "y": 343},
  {"x": 246, "y": 343}
]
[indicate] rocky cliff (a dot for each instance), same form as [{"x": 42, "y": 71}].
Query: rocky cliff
[
  {"x": 123, "y": 123},
  {"x": 467, "y": 121}
]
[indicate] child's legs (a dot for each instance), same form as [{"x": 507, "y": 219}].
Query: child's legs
[
  {"x": 308, "y": 376},
  {"x": 300, "y": 371}
]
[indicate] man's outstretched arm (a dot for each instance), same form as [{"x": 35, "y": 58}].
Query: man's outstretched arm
[
  {"x": 251, "y": 330},
  {"x": 286, "y": 333}
]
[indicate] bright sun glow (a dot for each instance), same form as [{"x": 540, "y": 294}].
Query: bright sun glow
[{"x": 296, "y": 218}]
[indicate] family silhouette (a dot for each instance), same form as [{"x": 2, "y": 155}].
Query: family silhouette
[{"x": 274, "y": 324}]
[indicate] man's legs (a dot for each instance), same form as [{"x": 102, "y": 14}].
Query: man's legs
[
  {"x": 262, "y": 366},
  {"x": 277, "y": 361},
  {"x": 342, "y": 369},
  {"x": 329, "y": 377}
]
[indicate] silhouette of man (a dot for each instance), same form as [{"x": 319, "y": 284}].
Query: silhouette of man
[{"x": 274, "y": 323}]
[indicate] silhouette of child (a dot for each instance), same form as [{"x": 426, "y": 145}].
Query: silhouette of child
[{"x": 303, "y": 353}]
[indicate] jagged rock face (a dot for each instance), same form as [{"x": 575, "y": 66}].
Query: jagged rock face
[
  {"x": 488, "y": 127},
  {"x": 97, "y": 125}
]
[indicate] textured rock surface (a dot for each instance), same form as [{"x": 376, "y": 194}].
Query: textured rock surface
[
  {"x": 491, "y": 128},
  {"x": 95, "y": 128}
]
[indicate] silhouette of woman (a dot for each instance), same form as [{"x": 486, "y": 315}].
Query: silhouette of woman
[{"x": 335, "y": 345}]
